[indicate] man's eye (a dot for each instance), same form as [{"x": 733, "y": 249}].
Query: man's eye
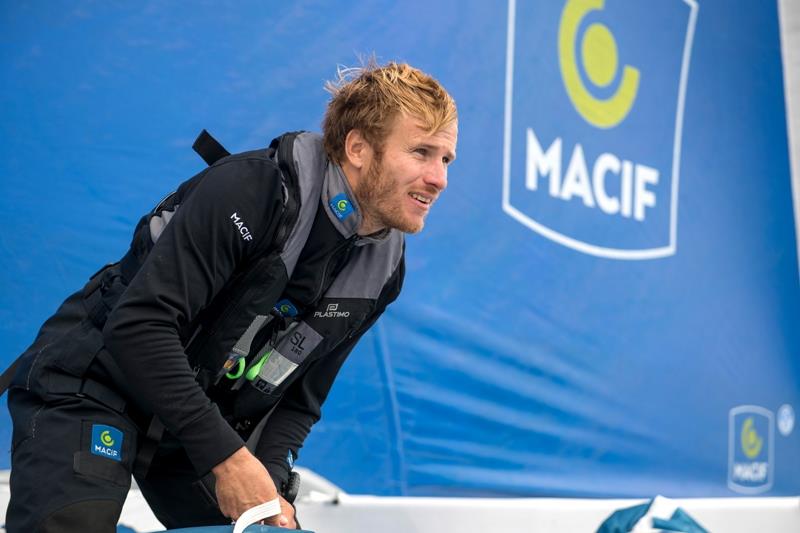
[
  {"x": 446, "y": 160},
  {"x": 421, "y": 151}
]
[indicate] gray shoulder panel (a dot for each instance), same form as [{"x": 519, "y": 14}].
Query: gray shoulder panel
[
  {"x": 368, "y": 271},
  {"x": 310, "y": 162}
]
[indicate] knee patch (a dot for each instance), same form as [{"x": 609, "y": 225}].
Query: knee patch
[{"x": 88, "y": 515}]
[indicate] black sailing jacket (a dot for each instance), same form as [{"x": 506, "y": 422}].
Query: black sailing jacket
[{"x": 243, "y": 291}]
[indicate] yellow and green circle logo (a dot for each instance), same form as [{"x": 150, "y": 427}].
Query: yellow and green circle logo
[
  {"x": 106, "y": 438},
  {"x": 341, "y": 206},
  {"x": 751, "y": 442},
  {"x": 600, "y": 60}
]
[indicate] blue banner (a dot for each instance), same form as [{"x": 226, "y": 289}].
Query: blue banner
[{"x": 604, "y": 303}]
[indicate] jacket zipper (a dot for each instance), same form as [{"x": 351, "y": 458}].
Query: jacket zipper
[{"x": 346, "y": 244}]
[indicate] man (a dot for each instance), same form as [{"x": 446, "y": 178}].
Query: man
[{"x": 228, "y": 319}]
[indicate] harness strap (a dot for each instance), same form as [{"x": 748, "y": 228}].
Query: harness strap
[
  {"x": 284, "y": 147},
  {"x": 96, "y": 310},
  {"x": 147, "y": 450},
  {"x": 209, "y": 148},
  {"x": 66, "y": 384}
]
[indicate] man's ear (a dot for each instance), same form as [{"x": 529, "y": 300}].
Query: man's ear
[{"x": 357, "y": 150}]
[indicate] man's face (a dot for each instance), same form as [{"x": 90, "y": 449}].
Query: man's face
[{"x": 402, "y": 184}]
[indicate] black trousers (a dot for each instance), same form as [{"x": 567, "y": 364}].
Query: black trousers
[
  {"x": 75, "y": 442},
  {"x": 66, "y": 477}
]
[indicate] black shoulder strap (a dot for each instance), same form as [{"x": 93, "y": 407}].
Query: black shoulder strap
[
  {"x": 209, "y": 148},
  {"x": 284, "y": 146}
]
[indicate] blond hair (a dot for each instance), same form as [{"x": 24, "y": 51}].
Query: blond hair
[{"x": 370, "y": 97}]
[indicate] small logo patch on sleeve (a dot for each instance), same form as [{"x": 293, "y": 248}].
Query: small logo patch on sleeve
[{"x": 106, "y": 442}]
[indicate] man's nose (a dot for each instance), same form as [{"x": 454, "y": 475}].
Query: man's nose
[{"x": 437, "y": 176}]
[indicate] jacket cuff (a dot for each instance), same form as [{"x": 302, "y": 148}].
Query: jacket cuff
[
  {"x": 279, "y": 474},
  {"x": 209, "y": 440}
]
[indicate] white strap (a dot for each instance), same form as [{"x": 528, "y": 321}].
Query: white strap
[{"x": 256, "y": 514}]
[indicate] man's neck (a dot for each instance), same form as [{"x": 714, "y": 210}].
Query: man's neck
[{"x": 367, "y": 228}]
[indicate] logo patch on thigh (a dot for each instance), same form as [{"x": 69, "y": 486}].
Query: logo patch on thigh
[{"x": 106, "y": 442}]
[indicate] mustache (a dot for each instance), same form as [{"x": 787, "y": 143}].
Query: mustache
[{"x": 431, "y": 191}]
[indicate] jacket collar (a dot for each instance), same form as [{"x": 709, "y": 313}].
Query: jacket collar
[
  {"x": 339, "y": 201},
  {"x": 342, "y": 208}
]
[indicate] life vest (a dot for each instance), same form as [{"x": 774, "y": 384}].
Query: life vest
[{"x": 250, "y": 343}]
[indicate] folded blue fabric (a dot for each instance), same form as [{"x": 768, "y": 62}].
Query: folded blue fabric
[
  {"x": 680, "y": 521},
  {"x": 624, "y": 520}
]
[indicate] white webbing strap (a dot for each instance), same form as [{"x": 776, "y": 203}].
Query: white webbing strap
[{"x": 256, "y": 514}]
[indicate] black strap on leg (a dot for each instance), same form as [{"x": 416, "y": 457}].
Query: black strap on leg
[{"x": 149, "y": 446}]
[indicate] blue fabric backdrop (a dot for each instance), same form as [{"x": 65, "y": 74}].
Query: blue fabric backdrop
[{"x": 523, "y": 358}]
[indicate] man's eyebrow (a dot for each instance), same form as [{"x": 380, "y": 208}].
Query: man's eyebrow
[{"x": 450, "y": 155}]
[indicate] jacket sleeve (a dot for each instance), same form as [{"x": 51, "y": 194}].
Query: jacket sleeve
[
  {"x": 195, "y": 255},
  {"x": 300, "y": 407}
]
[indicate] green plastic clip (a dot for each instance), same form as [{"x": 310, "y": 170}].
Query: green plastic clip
[
  {"x": 240, "y": 364},
  {"x": 256, "y": 368}
]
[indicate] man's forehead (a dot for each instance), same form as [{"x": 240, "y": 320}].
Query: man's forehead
[{"x": 417, "y": 131}]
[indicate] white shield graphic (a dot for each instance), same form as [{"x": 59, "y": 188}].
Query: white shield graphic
[
  {"x": 751, "y": 449},
  {"x": 593, "y": 122}
]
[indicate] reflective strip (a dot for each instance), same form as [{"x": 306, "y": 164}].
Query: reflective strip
[
  {"x": 276, "y": 368},
  {"x": 242, "y": 346}
]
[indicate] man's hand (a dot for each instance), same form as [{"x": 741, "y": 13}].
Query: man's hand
[
  {"x": 242, "y": 483},
  {"x": 287, "y": 514}
]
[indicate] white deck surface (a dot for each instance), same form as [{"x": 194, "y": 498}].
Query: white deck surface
[{"x": 323, "y": 508}]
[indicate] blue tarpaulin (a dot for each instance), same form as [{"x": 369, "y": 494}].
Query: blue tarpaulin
[{"x": 603, "y": 303}]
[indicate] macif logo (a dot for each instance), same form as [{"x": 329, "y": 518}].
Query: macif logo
[
  {"x": 286, "y": 308},
  {"x": 593, "y": 120},
  {"x": 106, "y": 442},
  {"x": 600, "y": 62},
  {"x": 750, "y": 449},
  {"x": 240, "y": 227},
  {"x": 341, "y": 206}
]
